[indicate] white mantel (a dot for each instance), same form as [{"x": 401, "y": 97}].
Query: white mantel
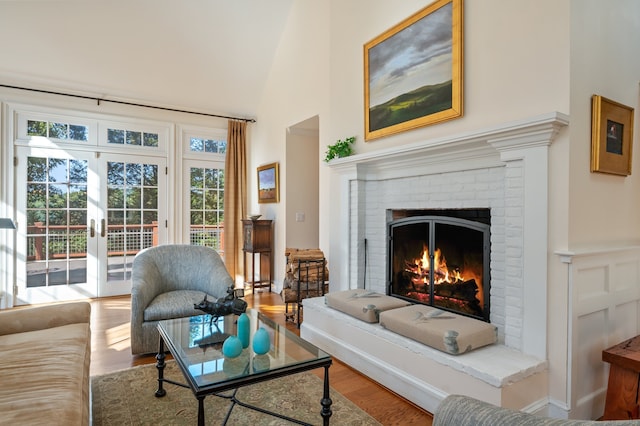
[
  {"x": 504, "y": 168},
  {"x": 476, "y": 149}
]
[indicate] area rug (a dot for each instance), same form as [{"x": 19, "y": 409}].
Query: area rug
[{"x": 127, "y": 398}]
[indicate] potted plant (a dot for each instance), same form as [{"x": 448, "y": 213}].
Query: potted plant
[{"x": 342, "y": 148}]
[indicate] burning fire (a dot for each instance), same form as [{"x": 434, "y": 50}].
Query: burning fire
[{"x": 419, "y": 271}]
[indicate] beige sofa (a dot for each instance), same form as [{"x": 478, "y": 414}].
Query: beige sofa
[{"x": 45, "y": 354}]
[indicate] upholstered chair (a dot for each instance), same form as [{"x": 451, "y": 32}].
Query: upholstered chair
[{"x": 166, "y": 282}]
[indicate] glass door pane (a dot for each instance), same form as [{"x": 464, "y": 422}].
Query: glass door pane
[
  {"x": 56, "y": 242},
  {"x": 135, "y": 215}
]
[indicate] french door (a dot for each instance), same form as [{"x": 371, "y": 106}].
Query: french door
[
  {"x": 82, "y": 218},
  {"x": 134, "y": 216}
]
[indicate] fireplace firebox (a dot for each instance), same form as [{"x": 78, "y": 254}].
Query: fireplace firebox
[{"x": 441, "y": 258}]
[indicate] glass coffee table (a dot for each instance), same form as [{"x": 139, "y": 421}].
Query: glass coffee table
[{"x": 196, "y": 345}]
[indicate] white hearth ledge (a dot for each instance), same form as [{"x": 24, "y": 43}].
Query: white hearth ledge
[{"x": 423, "y": 375}]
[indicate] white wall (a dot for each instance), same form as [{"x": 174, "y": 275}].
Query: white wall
[
  {"x": 593, "y": 212},
  {"x": 302, "y": 201},
  {"x": 605, "y": 37},
  {"x": 508, "y": 73},
  {"x": 297, "y": 88},
  {"x": 590, "y": 211}
]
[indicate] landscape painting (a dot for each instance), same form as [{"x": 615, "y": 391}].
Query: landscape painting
[
  {"x": 268, "y": 190},
  {"x": 413, "y": 72}
]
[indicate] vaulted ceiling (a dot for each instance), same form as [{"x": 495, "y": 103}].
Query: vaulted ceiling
[{"x": 208, "y": 55}]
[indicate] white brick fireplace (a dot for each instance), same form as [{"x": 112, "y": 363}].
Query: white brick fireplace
[{"x": 503, "y": 168}]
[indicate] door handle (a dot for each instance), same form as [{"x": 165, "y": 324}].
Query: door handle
[
  {"x": 92, "y": 228},
  {"x": 103, "y": 228}
]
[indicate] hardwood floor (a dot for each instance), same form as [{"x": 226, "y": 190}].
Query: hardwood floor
[{"x": 111, "y": 352}]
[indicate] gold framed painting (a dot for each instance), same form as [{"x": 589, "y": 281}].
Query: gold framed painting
[
  {"x": 413, "y": 71},
  {"x": 611, "y": 136},
  {"x": 268, "y": 183}
]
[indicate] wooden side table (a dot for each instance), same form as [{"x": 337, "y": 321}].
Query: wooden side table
[
  {"x": 257, "y": 239},
  {"x": 623, "y": 401}
]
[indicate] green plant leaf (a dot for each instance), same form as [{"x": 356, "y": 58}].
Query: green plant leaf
[{"x": 342, "y": 148}]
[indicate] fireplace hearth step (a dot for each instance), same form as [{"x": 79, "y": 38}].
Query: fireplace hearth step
[{"x": 495, "y": 373}]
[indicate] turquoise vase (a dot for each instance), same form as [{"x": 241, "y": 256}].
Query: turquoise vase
[
  {"x": 232, "y": 347},
  {"x": 261, "y": 341},
  {"x": 243, "y": 329}
]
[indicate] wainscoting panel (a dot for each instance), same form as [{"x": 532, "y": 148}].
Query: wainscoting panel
[{"x": 604, "y": 309}]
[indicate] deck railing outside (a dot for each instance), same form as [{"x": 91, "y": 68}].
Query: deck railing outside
[{"x": 71, "y": 242}]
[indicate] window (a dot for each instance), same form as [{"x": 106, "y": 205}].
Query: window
[
  {"x": 208, "y": 145},
  {"x": 204, "y": 152},
  {"x": 58, "y": 130},
  {"x": 206, "y": 201},
  {"x": 131, "y": 137}
]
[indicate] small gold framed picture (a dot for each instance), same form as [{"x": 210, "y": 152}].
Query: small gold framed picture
[
  {"x": 611, "y": 136},
  {"x": 268, "y": 185}
]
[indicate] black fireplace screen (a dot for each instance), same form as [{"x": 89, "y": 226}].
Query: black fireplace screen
[{"x": 442, "y": 262}]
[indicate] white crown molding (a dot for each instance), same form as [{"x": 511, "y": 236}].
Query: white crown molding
[{"x": 476, "y": 149}]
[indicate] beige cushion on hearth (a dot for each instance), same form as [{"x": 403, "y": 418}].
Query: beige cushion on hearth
[
  {"x": 442, "y": 330},
  {"x": 363, "y": 304}
]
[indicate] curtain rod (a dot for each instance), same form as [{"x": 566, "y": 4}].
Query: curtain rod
[{"x": 98, "y": 100}]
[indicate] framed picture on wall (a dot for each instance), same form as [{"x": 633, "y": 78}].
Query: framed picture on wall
[
  {"x": 268, "y": 183},
  {"x": 611, "y": 136},
  {"x": 413, "y": 71}
]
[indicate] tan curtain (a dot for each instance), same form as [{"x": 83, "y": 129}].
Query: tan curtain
[{"x": 235, "y": 195}]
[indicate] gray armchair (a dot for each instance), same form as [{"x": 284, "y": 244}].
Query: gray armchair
[{"x": 166, "y": 281}]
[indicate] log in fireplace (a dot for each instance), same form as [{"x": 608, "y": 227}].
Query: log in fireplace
[{"x": 441, "y": 258}]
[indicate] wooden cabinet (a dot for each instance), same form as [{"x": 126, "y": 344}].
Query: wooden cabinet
[
  {"x": 623, "y": 401},
  {"x": 257, "y": 241}
]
